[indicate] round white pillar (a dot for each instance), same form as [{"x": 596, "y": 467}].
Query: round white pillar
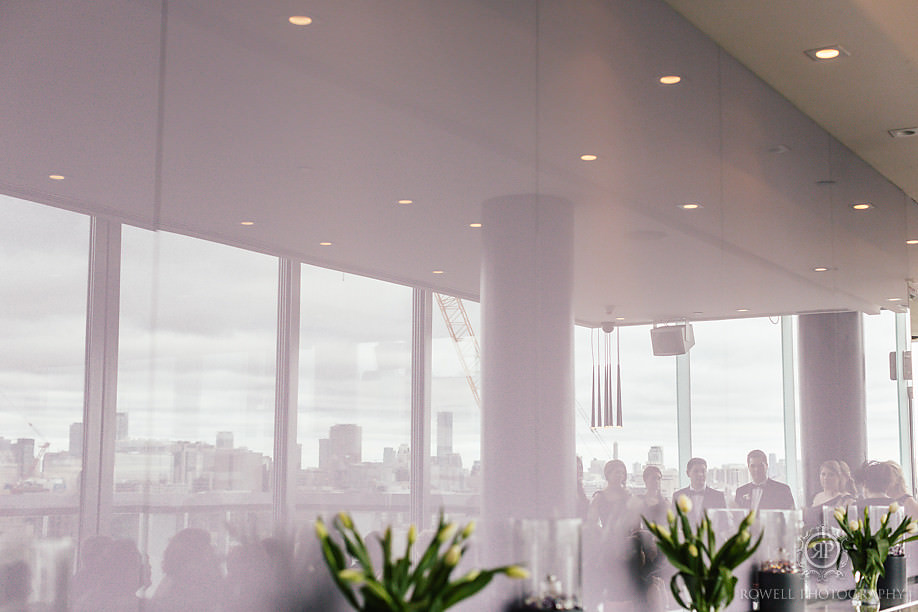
[{"x": 527, "y": 369}]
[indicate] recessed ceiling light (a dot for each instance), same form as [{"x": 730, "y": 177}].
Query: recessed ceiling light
[
  {"x": 300, "y": 20},
  {"x": 905, "y": 132},
  {"x": 438, "y": 271},
  {"x": 862, "y": 206},
  {"x": 619, "y": 318},
  {"x": 246, "y": 223},
  {"x": 670, "y": 79},
  {"x": 56, "y": 177},
  {"x": 742, "y": 310},
  {"x": 406, "y": 201},
  {"x": 689, "y": 206},
  {"x": 589, "y": 157},
  {"x": 325, "y": 244},
  {"x": 912, "y": 241},
  {"x": 894, "y": 299},
  {"x": 474, "y": 224},
  {"x": 830, "y": 52},
  {"x": 820, "y": 269}
]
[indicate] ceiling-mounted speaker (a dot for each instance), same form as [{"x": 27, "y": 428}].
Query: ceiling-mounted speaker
[{"x": 672, "y": 339}]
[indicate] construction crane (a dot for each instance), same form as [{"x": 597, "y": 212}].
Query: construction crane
[{"x": 464, "y": 339}]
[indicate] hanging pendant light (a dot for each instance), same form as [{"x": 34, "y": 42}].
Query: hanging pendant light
[{"x": 603, "y": 403}]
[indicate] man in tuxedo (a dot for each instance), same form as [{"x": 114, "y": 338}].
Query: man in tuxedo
[
  {"x": 763, "y": 493},
  {"x": 703, "y": 497}
]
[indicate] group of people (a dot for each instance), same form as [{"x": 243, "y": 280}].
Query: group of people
[
  {"x": 615, "y": 544},
  {"x": 614, "y": 502},
  {"x": 873, "y": 483},
  {"x": 260, "y": 576}
]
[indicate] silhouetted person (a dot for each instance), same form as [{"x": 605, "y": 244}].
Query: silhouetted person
[
  {"x": 91, "y": 566},
  {"x": 875, "y": 478},
  {"x": 652, "y": 505},
  {"x": 763, "y": 493},
  {"x": 15, "y": 586},
  {"x": 702, "y": 496},
  {"x": 192, "y": 581},
  {"x": 609, "y": 504},
  {"x": 899, "y": 491},
  {"x": 837, "y": 485},
  {"x": 120, "y": 573}
]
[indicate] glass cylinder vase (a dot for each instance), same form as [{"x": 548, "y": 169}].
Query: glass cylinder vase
[
  {"x": 866, "y": 598},
  {"x": 550, "y": 549}
]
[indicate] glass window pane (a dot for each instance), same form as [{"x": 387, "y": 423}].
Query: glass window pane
[
  {"x": 196, "y": 377},
  {"x": 881, "y": 393},
  {"x": 456, "y": 411},
  {"x": 648, "y": 389},
  {"x": 44, "y": 257},
  {"x": 354, "y": 416},
  {"x": 44, "y": 253},
  {"x": 737, "y": 398}
]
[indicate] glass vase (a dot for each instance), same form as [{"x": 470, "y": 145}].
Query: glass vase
[
  {"x": 866, "y": 598},
  {"x": 550, "y": 549}
]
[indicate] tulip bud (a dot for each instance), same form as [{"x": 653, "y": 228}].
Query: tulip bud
[
  {"x": 893, "y": 507},
  {"x": 663, "y": 531},
  {"x": 839, "y": 515},
  {"x": 693, "y": 550},
  {"x": 353, "y": 576},
  {"x": 670, "y": 516},
  {"x": 447, "y": 532},
  {"x": 321, "y": 531},
  {"x": 469, "y": 529},
  {"x": 412, "y": 534},
  {"x": 471, "y": 575},
  {"x": 345, "y": 519},
  {"x": 912, "y": 527},
  {"x": 453, "y": 555},
  {"x": 515, "y": 571},
  {"x": 744, "y": 537},
  {"x": 885, "y": 518},
  {"x": 852, "y": 525},
  {"x": 684, "y": 504}
]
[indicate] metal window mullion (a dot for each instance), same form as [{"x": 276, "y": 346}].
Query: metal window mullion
[
  {"x": 421, "y": 341},
  {"x": 790, "y": 403},
  {"x": 684, "y": 413},
  {"x": 100, "y": 378},
  {"x": 903, "y": 392},
  {"x": 285, "y": 396}
]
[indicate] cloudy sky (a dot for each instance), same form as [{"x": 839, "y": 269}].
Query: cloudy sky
[{"x": 197, "y": 353}]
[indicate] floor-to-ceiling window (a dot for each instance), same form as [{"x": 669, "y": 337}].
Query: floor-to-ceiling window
[
  {"x": 455, "y": 418},
  {"x": 196, "y": 375},
  {"x": 354, "y": 415},
  {"x": 737, "y": 398},
  {"x": 648, "y": 390},
  {"x": 43, "y": 286},
  {"x": 879, "y": 389}
]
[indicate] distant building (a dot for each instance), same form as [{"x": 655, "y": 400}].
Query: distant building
[
  {"x": 444, "y": 434},
  {"x": 225, "y": 439},
  {"x": 655, "y": 456},
  {"x": 76, "y": 439},
  {"x": 121, "y": 426},
  {"x": 344, "y": 443}
]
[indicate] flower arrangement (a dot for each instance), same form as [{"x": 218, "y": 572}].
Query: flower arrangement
[
  {"x": 868, "y": 549},
  {"x": 402, "y": 586},
  {"x": 705, "y": 570}
]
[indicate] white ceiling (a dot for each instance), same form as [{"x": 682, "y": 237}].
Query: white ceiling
[{"x": 314, "y": 133}]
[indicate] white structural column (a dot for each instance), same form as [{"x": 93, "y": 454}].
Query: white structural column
[
  {"x": 527, "y": 438},
  {"x": 832, "y": 401}
]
